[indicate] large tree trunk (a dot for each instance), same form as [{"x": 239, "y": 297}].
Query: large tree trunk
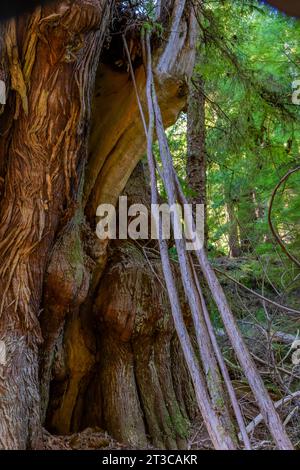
[
  {"x": 51, "y": 261},
  {"x": 52, "y": 73},
  {"x": 126, "y": 381}
]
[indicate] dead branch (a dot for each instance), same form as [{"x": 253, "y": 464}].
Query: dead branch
[
  {"x": 274, "y": 231},
  {"x": 207, "y": 392},
  {"x": 250, "y": 428},
  {"x": 223, "y": 367},
  {"x": 214, "y": 426},
  {"x": 260, "y": 296}
]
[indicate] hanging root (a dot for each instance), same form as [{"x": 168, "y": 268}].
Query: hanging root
[
  {"x": 220, "y": 438},
  {"x": 207, "y": 377}
]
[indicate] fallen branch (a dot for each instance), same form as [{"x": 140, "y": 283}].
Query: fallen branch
[
  {"x": 275, "y": 336},
  {"x": 281, "y": 369},
  {"x": 260, "y": 296},
  {"x": 256, "y": 421}
]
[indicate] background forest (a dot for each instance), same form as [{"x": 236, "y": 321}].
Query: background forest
[{"x": 247, "y": 62}]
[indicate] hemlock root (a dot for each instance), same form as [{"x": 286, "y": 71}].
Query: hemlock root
[{"x": 208, "y": 386}]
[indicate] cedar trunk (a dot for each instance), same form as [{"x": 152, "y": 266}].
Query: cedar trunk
[{"x": 85, "y": 344}]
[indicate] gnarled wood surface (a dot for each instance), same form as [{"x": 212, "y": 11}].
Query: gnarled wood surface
[
  {"x": 52, "y": 59},
  {"x": 50, "y": 260},
  {"x": 111, "y": 379}
]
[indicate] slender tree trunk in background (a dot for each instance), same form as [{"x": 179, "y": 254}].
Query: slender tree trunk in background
[
  {"x": 233, "y": 233},
  {"x": 196, "y": 153},
  {"x": 247, "y": 216},
  {"x": 259, "y": 208}
]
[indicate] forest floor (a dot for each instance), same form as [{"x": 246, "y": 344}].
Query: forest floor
[
  {"x": 89, "y": 439},
  {"x": 269, "y": 333}
]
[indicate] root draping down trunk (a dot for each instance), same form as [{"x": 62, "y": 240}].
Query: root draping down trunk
[{"x": 221, "y": 438}]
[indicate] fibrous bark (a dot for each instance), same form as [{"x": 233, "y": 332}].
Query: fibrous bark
[
  {"x": 52, "y": 57},
  {"x": 196, "y": 152},
  {"x": 134, "y": 383},
  {"x": 51, "y": 261}
]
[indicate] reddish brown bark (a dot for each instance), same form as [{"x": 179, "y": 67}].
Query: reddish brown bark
[
  {"x": 65, "y": 355},
  {"x": 52, "y": 67},
  {"x": 125, "y": 374}
]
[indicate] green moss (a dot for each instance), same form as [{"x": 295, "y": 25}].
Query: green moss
[
  {"x": 75, "y": 256},
  {"x": 181, "y": 425},
  {"x": 178, "y": 424}
]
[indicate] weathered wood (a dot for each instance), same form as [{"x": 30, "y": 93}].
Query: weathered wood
[{"x": 52, "y": 75}]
